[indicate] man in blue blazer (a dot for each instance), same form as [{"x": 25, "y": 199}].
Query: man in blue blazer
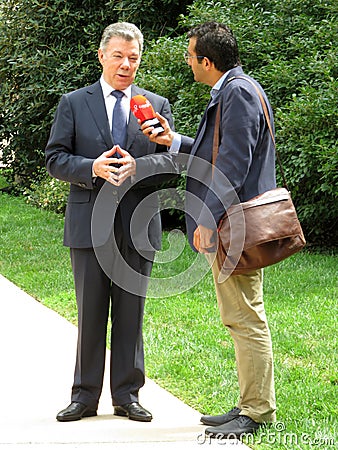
[
  {"x": 244, "y": 168},
  {"x": 96, "y": 147}
]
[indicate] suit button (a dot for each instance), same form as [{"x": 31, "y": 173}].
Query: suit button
[{"x": 115, "y": 196}]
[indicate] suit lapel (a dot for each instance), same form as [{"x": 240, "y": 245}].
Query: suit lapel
[
  {"x": 97, "y": 108},
  {"x": 203, "y": 124},
  {"x": 133, "y": 126}
]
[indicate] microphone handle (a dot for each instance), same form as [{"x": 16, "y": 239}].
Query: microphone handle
[{"x": 156, "y": 124}]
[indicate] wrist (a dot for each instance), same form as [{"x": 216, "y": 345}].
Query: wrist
[{"x": 94, "y": 175}]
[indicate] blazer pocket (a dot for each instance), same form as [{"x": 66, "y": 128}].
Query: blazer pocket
[{"x": 79, "y": 196}]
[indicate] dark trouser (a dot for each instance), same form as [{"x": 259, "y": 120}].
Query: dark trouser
[{"x": 95, "y": 291}]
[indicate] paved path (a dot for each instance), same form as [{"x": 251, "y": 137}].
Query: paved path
[{"x": 37, "y": 351}]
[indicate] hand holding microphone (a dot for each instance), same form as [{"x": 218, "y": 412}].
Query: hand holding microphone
[
  {"x": 143, "y": 110},
  {"x": 153, "y": 125}
]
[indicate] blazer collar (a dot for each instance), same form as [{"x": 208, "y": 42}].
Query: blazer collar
[
  {"x": 97, "y": 107},
  {"x": 232, "y": 73},
  {"x": 133, "y": 126}
]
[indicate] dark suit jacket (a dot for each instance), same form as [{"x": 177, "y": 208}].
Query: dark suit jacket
[
  {"x": 245, "y": 166},
  {"x": 79, "y": 134}
]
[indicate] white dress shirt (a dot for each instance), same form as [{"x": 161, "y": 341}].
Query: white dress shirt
[{"x": 110, "y": 100}]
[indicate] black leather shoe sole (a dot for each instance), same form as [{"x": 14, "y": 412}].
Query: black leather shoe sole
[
  {"x": 236, "y": 428},
  {"x": 73, "y": 413},
  {"x": 72, "y": 418},
  {"x": 119, "y": 411},
  {"x": 134, "y": 413}
]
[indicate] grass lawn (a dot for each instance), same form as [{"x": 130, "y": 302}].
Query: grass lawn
[{"x": 188, "y": 351}]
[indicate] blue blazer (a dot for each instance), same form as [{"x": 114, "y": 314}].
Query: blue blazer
[
  {"x": 79, "y": 134},
  {"x": 245, "y": 165}
]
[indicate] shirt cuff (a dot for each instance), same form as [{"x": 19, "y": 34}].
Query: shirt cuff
[
  {"x": 94, "y": 176},
  {"x": 176, "y": 144}
]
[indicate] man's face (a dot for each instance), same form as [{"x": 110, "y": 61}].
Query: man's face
[
  {"x": 120, "y": 62},
  {"x": 195, "y": 63}
]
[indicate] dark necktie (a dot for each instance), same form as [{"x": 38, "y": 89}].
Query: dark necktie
[{"x": 119, "y": 122}]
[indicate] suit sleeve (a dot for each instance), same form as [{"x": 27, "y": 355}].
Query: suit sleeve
[
  {"x": 239, "y": 135},
  {"x": 61, "y": 162}
]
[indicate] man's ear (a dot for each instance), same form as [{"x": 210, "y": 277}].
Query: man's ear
[
  {"x": 100, "y": 56},
  {"x": 207, "y": 63}
]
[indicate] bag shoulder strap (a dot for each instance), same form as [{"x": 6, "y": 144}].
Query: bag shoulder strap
[
  {"x": 216, "y": 137},
  {"x": 267, "y": 118}
]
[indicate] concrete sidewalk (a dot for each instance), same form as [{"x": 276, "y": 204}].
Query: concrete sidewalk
[{"x": 37, "y": 363}]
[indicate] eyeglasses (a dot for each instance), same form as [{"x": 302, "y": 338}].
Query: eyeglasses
[{"x": 187, "y": 56}]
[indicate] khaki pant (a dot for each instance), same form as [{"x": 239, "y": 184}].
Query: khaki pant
[{"x": 241, "y": 306}]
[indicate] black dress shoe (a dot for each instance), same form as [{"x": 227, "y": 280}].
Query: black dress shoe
[
  {"x": 234, "y": 429},
  {"x": 134, "y": 411},
  {"x": 214, "y": 421},
  {"x": 75, "y": 411}
]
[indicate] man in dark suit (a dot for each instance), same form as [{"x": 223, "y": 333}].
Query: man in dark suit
[
  {"x": 244, "y": 168},
  {"x": 94, "y": 144}
]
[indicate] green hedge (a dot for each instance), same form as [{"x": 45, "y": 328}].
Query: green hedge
[
  {"x": 47, "y": 49},
  {"x": 289, "y": 46}
]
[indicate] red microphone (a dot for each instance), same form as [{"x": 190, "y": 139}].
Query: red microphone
[{"x": 143, "y": 110}]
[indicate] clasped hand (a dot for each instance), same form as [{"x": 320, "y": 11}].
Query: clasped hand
[{"x": 115, "y": 169}]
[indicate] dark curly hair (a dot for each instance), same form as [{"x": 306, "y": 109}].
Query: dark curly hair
[{"x": 217, "y": 42}]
